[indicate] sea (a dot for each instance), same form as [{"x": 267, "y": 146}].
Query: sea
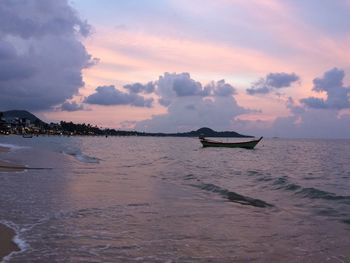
[{"x": 154, "y": 199}]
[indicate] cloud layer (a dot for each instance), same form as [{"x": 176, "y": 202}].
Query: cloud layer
[
  {"x": 190, "y": 105},
  {"x": 41, "y": 55},
  {"x": 140, "y": 88},
  {"x": 273, "y": 82},
  {"x": 109, "y": 95},
  {"x": 71, "y": 106},
  {"x": 330, "y": 83}
]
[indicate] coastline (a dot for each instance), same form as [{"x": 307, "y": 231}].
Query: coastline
[
  {"x": 7, "y": 166},
  {"x": 7, "y": 246}
]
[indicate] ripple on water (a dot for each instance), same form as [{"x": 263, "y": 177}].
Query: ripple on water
[{"x": 232, "y": 196}]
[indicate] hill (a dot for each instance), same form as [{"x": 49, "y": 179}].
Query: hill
[
  {"x": 21, "y": 114},
  {"x": 207, "y": 132}
]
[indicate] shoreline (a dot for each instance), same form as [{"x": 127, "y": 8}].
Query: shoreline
[
  {"x": 7, "y": 245},
  {"x": 7, "y": 166},
  {"x": 7, "y": 234}
]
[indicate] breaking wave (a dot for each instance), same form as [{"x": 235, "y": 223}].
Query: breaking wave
[
  {"x": 81, "y": 157},
  {"x": 12, "y": 146},
  {"x": 18, "y": 240}
]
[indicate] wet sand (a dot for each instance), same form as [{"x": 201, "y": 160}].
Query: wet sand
[
  {"x": 7, "y": 166},
  {"x": 6, "y": 244},
  {"x": 7, "y": 234},
  {"x": 10, "y": 167},
  {"x": 4, "y": 149}
]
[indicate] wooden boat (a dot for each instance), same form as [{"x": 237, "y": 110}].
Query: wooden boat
[{"x": 247, "y": 145}]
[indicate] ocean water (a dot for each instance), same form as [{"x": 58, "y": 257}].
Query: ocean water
[{"x": 134, "y": 199}]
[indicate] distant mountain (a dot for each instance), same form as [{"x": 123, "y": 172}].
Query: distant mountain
[
  {"x": 87, "y": 129},
  {"x": 21, "y": 114},
  {"x": 207, "y": 132}
]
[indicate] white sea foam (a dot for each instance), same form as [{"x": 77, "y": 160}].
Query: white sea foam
[
  {"x": 81, "y": 157},
  {"x": 18, "y": 239},
  {"x": 12, "y": 146}
]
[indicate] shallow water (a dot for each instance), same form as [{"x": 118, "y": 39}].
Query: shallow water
[{"x": 134, "y": 199}]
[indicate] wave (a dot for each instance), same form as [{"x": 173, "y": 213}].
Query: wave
[
  {"x": 307, "y": 192},
  {"x": 12, "y": 146},
  {"x": 315, "y": 193},
  {"x": 232, "y": 196},
  {"x": 346, "y": 221},
  {"x": 283, "y": 183},
  {"x": 78, "y": 155},
  {"x": 18, "y": 240}
]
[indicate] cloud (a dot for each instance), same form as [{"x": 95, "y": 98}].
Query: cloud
[
  {"x": 303, "y": 122},
  {"x": 191, "y": 106},
  {"x": 35, "y": 18},
  {"x": 313, "y": 123},
  {"x": 179, "y": 85},
  {"x": 171, "y": 86},
  {"x": 140, "y": 88},
  {"x": 318, "y": 117},
  {"x": 281, "y": 80},
  {"x": 295, "y": 109},
  {"x": 109, "y": 95},
  {"x": 41, "y": 54},
  {"x": 315, "y": 103},
  {"x": 13, "y": 66},
  {"x": 71, "y": 106},
  {"x": 186, "y": 113},
  {"x": 332, "y": 84},
  {"x": 221, "y": 88},
  {"x": 272, "y": 82}
]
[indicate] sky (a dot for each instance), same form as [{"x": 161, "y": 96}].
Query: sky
[{"x": 260, "y": 67}]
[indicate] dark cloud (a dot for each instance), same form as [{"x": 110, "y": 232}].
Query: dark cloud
[
  {"x": 140, "y": 88},
  {"x": 164, "y": 102},
  {"x": 183, "y": 86},
  {"x": 272, "y": 82},
  {"x": 221, "y": 88},
  {"x": 258, "y": 90},
  {"x": 38, "y": 18},
  {"x": 109, "y": 95},
  {"x": 281, "y": 80},
  {"x": 41, "y": 55},
  {"x": 332, "y": 84},
  {"x": 7, "y": 51},
  {"x": 315, "y": 103},
  {"x": 71, "y": 106},
  {"x": 191, "y": 107},
  {"x": 173, "y": 85}
]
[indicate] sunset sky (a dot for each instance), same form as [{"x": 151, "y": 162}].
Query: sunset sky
[{"x": 260, "y": 67}]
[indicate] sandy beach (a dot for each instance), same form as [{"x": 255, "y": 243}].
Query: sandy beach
[
  {"x": 6, "y": 244},
  {"x": 6, "y": 234}
]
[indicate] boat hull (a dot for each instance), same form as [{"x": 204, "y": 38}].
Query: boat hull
[{"x": 245, "y": 145}]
